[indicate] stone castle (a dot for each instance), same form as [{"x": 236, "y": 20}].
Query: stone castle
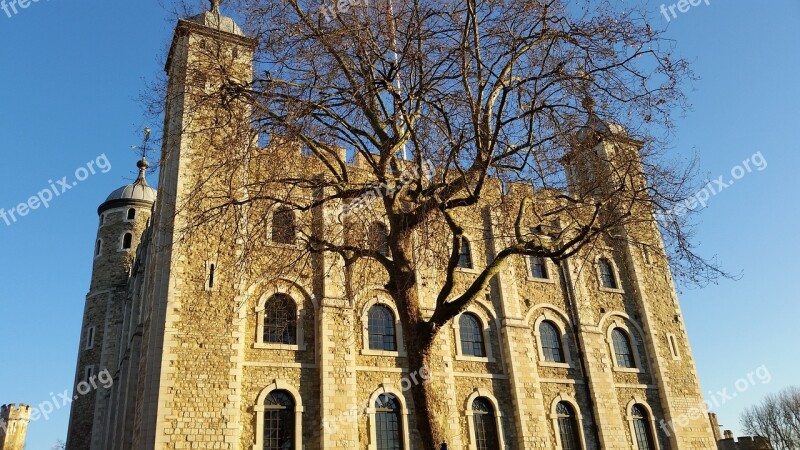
[
  {"x": 588, "y": 353},
  {"x": 14, "y": 420}
]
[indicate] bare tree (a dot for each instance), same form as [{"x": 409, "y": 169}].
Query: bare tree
[
  {"x": 777, "y": 417},
  {"x": 425, "y": 111}
]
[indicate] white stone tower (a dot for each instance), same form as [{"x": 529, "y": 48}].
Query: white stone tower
[{"x": 13, "y": 426}]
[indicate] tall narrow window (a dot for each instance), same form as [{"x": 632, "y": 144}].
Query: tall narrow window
[
  {"x": 283, "y": 228},
  {"x": 131, "y": 214},
  {"x": 89, "y": 338},
  {"x": 98, "y": 247},
  {"x": 538, "y": 267},
  {"x": 568, "y": 427},
  {"x": 381, "y": 327},
  {"x": 641, "y": 428},
  {"x": 127, "y": 240},
  {"x": 465, "y": 254},
  {"x": 379, "y": 238},
  {"x": 607, "y": 277},
  {"x": 471, "y": 336},
  {"x": 212, "y": 275},
  {"x": 280, "y": 320},
  {"x": 622, "y": 349},
  {"x": 102, "y": 219},
  {"x": 551, "y": 342},
  {"x": 388, "y": 428},
  {"x": 88, "y": 374},
  {"x": 485, "y": 425},
  {"x": 279, "y": 426}
]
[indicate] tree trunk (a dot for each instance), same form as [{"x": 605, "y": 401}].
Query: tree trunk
[{"x": 430, "y": 408}]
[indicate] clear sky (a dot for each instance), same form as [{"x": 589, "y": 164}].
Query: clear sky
[{"x": 71, "y": 74}]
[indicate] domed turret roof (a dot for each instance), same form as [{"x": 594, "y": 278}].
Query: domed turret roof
[{"x": 138, "y": 192}]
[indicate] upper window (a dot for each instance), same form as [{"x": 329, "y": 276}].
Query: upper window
[
  {"x": 465, "y": 254},
  {"x": 607, "y": 277},
  {"x": 102, "y": 219},
  {"x": 381, "y": 327},
  {"x": 568, "y": 427},
  {"x": 388, "y": 428},
  {"x": 131, "y": 214},
  {"x": 641, "y": 428},
  {"x": 127, "y": 240},
  {"x": 538, "y": 267},
  {"x": 98, "y": 247},
  {"x": 283, "y": 228},
  {"x": 551, "y": 342},
  {"x": 485, "y": 425},
  {"x": 623, "y": 351},
  {"x": 471, "y": 336},
  {"x": 379, "y": 238},
  {"x": 279, "y": 417},
  {"x": 90, "y": 338},
  {"x": 280, "y": 320}
]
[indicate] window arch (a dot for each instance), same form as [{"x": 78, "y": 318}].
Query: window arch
[
  {"x": 127, "y": 241},
  {"x": 471, "y": 333},
  {"x": 131, "y": 214},
  {"x": 538, "y": 268},
  {"x": 388, "y": 423},
  {"x": 283, "y": 226},
  {"x": 279, "y": 421},
  {"x": 485, "y": 425},
  {"x": 280, "y": 320},
  {"x": 642, "y": 430},
  {"x": 607, "y": 277},
  {"x": 465, "y": 254},
  {"x": 552, "y": 347},
  {"x": 379, "y": 238},
  {"x": 568, "y": 428},
  {"x": 623, "y": 351},
  {"x": 381, "y": 328}
]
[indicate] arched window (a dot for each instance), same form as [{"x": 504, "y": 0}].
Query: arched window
[
  {"x": 379, "y": 238},
  {"x": 280, "y": 320},
  {"x": 382, "y": 333},
  {"x": 388, "y": 428},
  {"x": 127, "y": 240},
  {"x": 283, "y": 229},
  {"x": 485, "y": 425},
  {"x": 131, "y": 214},
  {"x": 279, "y": 418},
  {"x": 465, "y": 254},
  {"x": 641, "y": 428},
  {"x": 551, "y": 342},
  {"x": 622, "y": 349},
  {"x": 568, "y": 427},
  {"x": 607, "y": 277},
  {"x": 471, "y": 335},
  {"x": 538, "y": 267}
]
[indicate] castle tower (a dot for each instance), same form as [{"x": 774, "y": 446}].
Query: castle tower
[
  {"x": 605, "y": 161},
  {"x": 123, "y": 217},
  {"x": 13, "y": 426}
]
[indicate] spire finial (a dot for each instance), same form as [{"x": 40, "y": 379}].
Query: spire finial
[
  {"x": 142, "y": 164},
  {"x": 215, "y": 5}
]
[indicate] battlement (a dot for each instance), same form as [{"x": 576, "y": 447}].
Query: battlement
[
  {"x": 744, "y": 442},
  {"x": 15, "y": 412}
]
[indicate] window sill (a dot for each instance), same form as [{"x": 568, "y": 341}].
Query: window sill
[
  {"x": 628, "y": 370},
  {"x": 555, "y": 364},
  {"x": 467, "y": 270},
  {"x": 541, "y": 280},
  {"x": 483, "y": 359},
  {"x": 385, "y": 353},
  {"x": 272, "y": 346},
  {"x": 612, "y": 290}
]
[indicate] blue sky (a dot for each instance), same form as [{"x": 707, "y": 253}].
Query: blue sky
[{"x": 71, "y": 77}]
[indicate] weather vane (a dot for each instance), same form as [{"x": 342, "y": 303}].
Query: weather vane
[{"x": 143, "y": 147}]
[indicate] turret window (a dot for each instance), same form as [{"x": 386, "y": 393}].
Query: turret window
[
  {"x": 98, "y": 247},
  {"x": 131, "y": 214},
  {"x": 607, "y": 277},
  {"x": 127, "y": 241},
  {"x": 90, "y": 338}
]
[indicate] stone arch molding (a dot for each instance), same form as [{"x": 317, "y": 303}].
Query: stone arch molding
[
  {"x": 278, "y": 385},
  {"x": 551, "y": 313},
  {"x": 498, "y": 417},
  {"x": 388, "y": 388},
  {"x": 618, "y": 319},
  {"x": 366, "y": 299},
  {"x": 553, "y": 416},
  {"x": 296, "y": 291},
  {"x": 487, "y": 317}
]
